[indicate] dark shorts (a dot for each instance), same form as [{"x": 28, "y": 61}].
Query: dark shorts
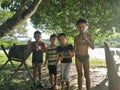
[
  {"x": 52, "y": 69},
  {"x": 35, "y": 61},
  {"x": 82, "y": 58}
]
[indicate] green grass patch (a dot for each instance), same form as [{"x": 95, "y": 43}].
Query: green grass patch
[
  {"x": 96, "y": 62},
  {"x": 3, "y": 58}
]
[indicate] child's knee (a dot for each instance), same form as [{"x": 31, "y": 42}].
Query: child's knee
[
  {"x": 87, "y": 76},
  {"x": 80, "y": 75},
  {"x": 66, "y": 78}
]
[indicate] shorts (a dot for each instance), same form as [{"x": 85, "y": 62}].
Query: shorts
[
  {"x": 35, "y": 61},
  {"x": 82, "y": 58},
  {"x": 64, "y": 71},
  {"x": 36, "y": 64},
  {"x": 52, "y": 69}
]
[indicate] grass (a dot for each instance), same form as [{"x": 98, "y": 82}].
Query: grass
[
  {"x": 95, "y": 62},
  {"x": 20, "y": 81}
]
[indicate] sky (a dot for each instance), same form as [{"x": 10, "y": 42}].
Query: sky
[{"x": 31, "y": 31}]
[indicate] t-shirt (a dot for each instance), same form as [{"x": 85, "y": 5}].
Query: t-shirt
[
  {"x": 64, "y": 50},
  {"x": 37, "y": 55},
  {"x": 52, "y": 55}
]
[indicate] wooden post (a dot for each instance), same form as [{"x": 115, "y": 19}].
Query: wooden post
[{"x": 113, "y": 78}]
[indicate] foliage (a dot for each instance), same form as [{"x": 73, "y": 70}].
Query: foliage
[
  {"x": 19, "y": 32},
  {"x": 60, "y": 16},
  {"x": 113, "y": 41}
]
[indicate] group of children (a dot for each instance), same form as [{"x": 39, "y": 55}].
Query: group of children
[{"x": 62, "y": 53}]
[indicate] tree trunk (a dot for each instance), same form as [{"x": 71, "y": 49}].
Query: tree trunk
[
  {"x": 20, "y": 16},
  {"x": 113, "y": 78}
]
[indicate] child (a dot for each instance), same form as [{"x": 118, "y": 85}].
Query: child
[
  {"x": 52, "y": 59},
  {"x": 81, "y": 42},
  {"x": 37, "y": 49},
  {"x": 66, "y": 52}
]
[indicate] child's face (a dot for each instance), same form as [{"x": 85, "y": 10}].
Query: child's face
[
  {"x": 53, "y": 40},
  {"x": 62, "y": 40},
  {"x": 81, "y": 27},
  {"x": 37, "y": 37}
]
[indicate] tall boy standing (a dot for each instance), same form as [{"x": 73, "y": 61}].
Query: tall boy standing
[{"x": 81, "y": 43}]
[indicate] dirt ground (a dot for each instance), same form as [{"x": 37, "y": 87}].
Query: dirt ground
[{"x": 97, "y": 75}]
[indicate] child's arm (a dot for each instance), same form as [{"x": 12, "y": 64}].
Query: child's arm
[
  {"x": 29, "y": 45},
  {"x": 71, "y": 54},
  {"x": 58, "y": 59},
  {"x": 46, "y": 59},
  {"x": 88, "y": 39},
  {"x": 74, "y": 43},
  {"x": 44, "y": 47}
]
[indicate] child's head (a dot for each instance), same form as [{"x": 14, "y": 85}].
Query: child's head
[
  {"x": 37, "y": 35},
  {"x": 62, "y": 38},
  {"x": 81, "y": 25},
  {"x": 53, "y": 38}
]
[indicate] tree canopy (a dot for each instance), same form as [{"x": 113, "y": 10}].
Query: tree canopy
[
  {"x": 103, "y": 16},
  {"x": 60, "y": 15}
]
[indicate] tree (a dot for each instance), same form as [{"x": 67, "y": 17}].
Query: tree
[
  {"x": 60, "y": 16},
  {"x": 23, "y": 9},
  {"x": 12, "y": 37}
]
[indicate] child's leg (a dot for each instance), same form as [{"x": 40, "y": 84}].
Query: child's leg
[
  {"x": 62, "y": 69},
  {"x": 51, "y": 79},
  {"x": 50, "y": 68},
  {"x": 55, "y": 79},
  {"x": 34, "y": 74},
  {"x": 67, "y": 70},
  {"x": 62, "y": 85},
  {"x": 55, "y": 74},
  {"x": 86, "y": 73},
  {"x": 79, "y": 70},
  {"x": 68, "y": 85},
  {"x": 39, "y": 72}
]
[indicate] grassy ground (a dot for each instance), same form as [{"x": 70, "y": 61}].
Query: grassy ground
[{"x": 21, "y": 81}]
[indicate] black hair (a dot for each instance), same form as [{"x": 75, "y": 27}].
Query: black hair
[
  {"x": 53, "y": 36},
  {"x": 37, "y": 32},
  {"x": 81, "y": 21},
  {"x": 61, "y": 34}
]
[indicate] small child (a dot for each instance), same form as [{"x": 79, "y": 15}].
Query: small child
[
  {"x": 66, "y": 52},
  {"x": 52, "y": 59},
  {"x": 37, "y": 49}
]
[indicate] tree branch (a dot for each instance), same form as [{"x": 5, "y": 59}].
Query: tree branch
[{"x": 18, "y": 18}]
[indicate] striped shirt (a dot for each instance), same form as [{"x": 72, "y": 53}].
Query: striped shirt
[{"x": 52, "y": 55}]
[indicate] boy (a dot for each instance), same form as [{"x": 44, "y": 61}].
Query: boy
[
  {"x": 37, "y": 49},
  {"x": 81, "y": 43},
  {"x": 52, "y": 59},
  {"x": 66, "y": 52}
]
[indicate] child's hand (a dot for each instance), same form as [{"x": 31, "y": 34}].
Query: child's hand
[
  {"x": 29, "y": 40},
  {"x": 60, "y": 58},
  {"x": 56, "y": 63},
  {"x": 44, "y": 64},
  {"x": 37, "y": 47}
]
